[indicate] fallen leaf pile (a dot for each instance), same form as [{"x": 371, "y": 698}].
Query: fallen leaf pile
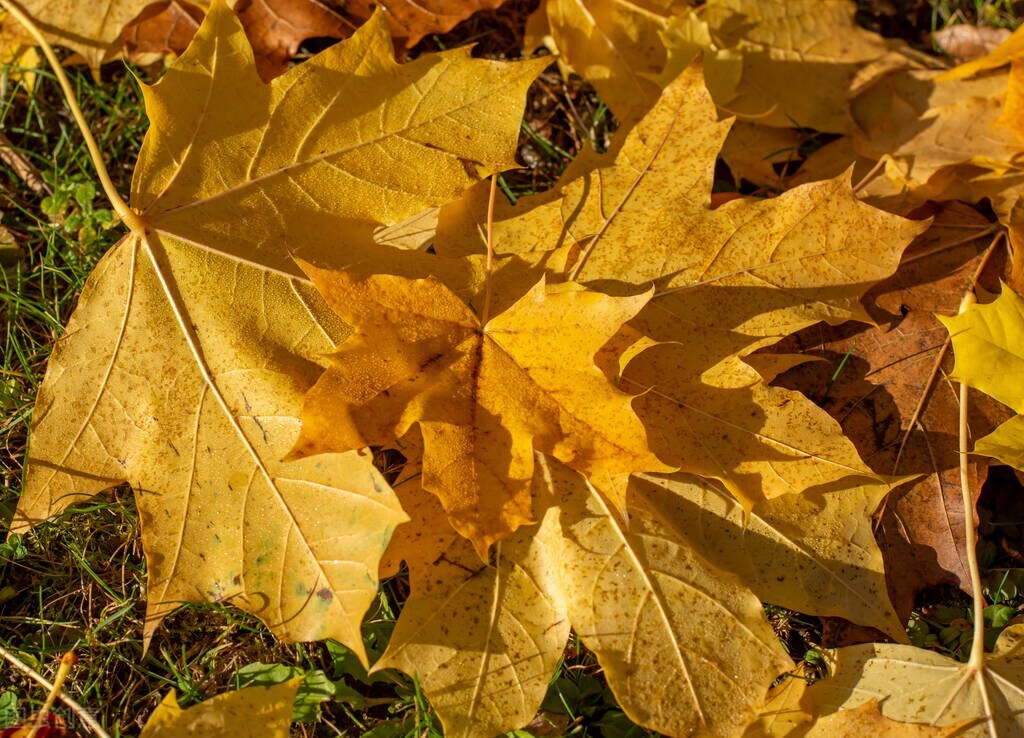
[{"x": 606, "y": 394}]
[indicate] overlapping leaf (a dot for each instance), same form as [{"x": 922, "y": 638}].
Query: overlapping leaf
[
  {"x": 484, "y": 640},
  {"x": 484, "y": 394},
  {"x": 183, "y": 368},
  {"x": 814, "y": 553},
  {"x": 918, "y": 686},
  {"x": 97, "y": 29}
]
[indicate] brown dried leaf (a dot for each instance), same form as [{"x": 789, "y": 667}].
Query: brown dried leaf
[{"x": 887, "y": 373}]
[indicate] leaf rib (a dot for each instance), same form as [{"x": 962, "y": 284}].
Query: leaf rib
[{"x": 638, "y": 566}]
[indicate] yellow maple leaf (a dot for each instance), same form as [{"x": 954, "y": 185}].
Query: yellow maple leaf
[
  {"x": 91, "y": 29},
  {"x": 484, "y": 392},
  {"x": 483, "y": 640},
  {"x": 184, "y": 365},
  {"x": 813, "y": 553},
  {"x": 752, "y": 51},
  {"x": 727, "y": 281}
]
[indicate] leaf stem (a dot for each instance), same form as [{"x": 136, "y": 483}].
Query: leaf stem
[
  {"x": 486, "y": 312},
  {"x": 128, "y": 216},
  {"x": 977, "y": 657}
]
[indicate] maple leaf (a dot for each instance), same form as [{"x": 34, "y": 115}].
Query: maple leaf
[
  {"x": 726, "y": 281},
  {"x": 613, "y": 44},
  {"x": 90, "y": 29},
  {"x": 483, "y": 392},
  {"x": 97, "y": 29},
  {"x": 752, "y": 52},
  {"x": 184, "y": 365},
  {"x": 254, "y": 712},
  {"x": 988, "y": 341}
]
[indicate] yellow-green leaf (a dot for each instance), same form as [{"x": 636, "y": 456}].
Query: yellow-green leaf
[{"x": 988, "y": 341}]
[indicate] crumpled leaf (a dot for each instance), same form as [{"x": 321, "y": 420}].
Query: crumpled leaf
[
  {"x": 1011, "y": 48},
  {"x": 965, "y": 42},
  {"x": 483, "y": 639},
  {"x": 255, "y": 712},
  {"x": 483, "y": 395},
  {"x": 97, "y": 29},
  {"x": 183, "y": 368},
  {"x": 917, "y": 686},
  {"x": 940, "y": 139},
  {"x": 988, "y": 341},
  {"x": 161, "y": 29},
  {"x": 413, "y": 20},
  {"x": 813, "y": 553},
  {"x": 685, "y": 647},
  {"x": 276, "y": 29},
  {"x": 753, "y": 52}
]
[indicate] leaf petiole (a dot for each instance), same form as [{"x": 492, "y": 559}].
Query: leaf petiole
[{"x": 128, "y": 216}]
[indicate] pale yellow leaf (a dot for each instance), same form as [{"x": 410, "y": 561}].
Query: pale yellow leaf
[
  {"x": 917, "y": 686},
  {"x": 90, "y": 28},
  {"x": 685, "y": 647},
  {"x": 799, "y": 59},
  {"x": 869, "y": 720},
  {"x": 255, "y": 712}
]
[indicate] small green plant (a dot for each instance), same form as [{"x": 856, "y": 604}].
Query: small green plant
[{"x": 71, "y": 206}]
